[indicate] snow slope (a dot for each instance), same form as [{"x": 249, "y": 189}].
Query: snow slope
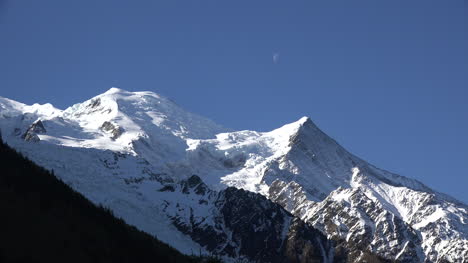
[{"x": 118, "y": 146}]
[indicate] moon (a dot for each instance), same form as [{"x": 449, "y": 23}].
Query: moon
[{"x": 276, "y": 57}]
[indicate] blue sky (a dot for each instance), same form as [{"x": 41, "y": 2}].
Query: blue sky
[{"x": 386, "y": 79}]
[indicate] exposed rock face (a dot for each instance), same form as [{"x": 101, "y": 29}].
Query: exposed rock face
[
  {"x": 93, "y": 106},
  {"x": 245, "y": 225},
  {"x": 360, "y": 227},
  {"x": 31, "y": 133},
  {"x": 31, "y": 137},
  {"x": 195, "y": 184},
  {"x": 94, "y": 103},
  {"x": 114, "y": 130},
  {"x": 37, "y": 127}
]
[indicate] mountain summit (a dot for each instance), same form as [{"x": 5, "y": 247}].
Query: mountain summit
[{"x": 138, "y": 153}]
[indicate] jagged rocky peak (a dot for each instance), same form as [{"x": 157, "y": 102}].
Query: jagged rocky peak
[{"x": 311, "y": 159}]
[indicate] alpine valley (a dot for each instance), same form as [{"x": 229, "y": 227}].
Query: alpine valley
[{"x": 289, "y": 195}]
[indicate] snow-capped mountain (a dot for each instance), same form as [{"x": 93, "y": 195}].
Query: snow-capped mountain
[{"x": 137, "y": 153}]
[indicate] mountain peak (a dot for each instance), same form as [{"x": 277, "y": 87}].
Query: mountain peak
[
  {"x": 127, "y": 144},
  {"x": 115, "y": 90},
  {"x": 304, "y": 120},
  {"x": 293, "y": 127}
]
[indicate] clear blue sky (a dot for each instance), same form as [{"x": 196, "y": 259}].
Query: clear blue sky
[{"x": 387, "y": 79}]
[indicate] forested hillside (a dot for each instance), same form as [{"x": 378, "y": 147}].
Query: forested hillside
[{"x": 44, "y": 220}]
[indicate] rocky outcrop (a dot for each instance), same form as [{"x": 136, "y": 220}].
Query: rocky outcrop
[
  {"x": 94, "y": 103},
  {"x": 360, "y": 227},
  {"x": 244, "y": 225},
  {"x": 31, "y": 137},
  {"x": 114, "y": 130},
  {"x": 31, "y": 133}
]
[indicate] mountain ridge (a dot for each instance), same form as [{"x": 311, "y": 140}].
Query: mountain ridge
[{"x": 150, "y": 136}]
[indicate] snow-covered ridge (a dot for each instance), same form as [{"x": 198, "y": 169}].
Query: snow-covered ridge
[
  {"x": 115, "y": 120},
  {"x": 126, "y": 138},
  {"x": 10, "y": 108}
]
